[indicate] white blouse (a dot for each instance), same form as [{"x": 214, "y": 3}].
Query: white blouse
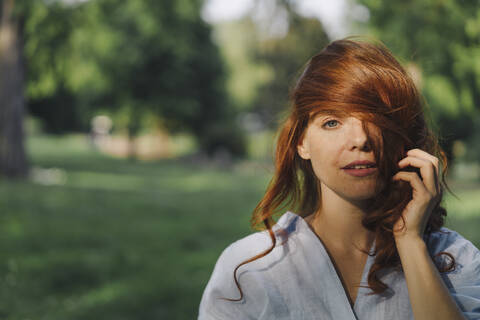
[{"x": 297, "y": 280}]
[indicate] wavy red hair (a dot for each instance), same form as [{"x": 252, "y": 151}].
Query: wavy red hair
[{"x": 351, "y": 76}]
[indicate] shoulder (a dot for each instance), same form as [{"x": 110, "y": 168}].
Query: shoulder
[
  {"x": 253, "y": 245},
  {"x": 253, "y": 277},
  {"x": 450, "y": 241},
  {"x": 222, "y": 284},
  {"x": 465, "y": 253},
  {"x": 257, "y": 243},
  {"x": 242, "y": 253},
  {"x": 243, "y": 249}
]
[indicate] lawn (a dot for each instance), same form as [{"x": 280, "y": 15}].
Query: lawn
[{"x": 105, "y": 238}]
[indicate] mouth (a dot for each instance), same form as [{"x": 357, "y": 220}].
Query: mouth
[
  {"x": 360, "y": 171},
  {"x": 361, "y": 166}
]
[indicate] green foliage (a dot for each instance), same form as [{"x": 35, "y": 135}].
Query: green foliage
[
  {"x": 442, "y": 95},
  {"x": 239, "y": 42},
  {"x": 262, "y": 67},
  {"x": 441, "y": 37},
  {"x": 133, "y": 57},
  {"x": 286, "y": 57},
  {"x": 47, "y": 49},
  {"x": 157, "y": 56},
  {"x": 472, "y": 153}
]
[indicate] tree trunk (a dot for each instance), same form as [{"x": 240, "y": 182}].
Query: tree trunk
[{"x": 13, "y": 162}]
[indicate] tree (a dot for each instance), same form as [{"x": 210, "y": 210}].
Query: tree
[
  {"x": 156, "y": 57},
  {"x": 265, "y": 51},
  {"x": 51, "y": 73},
  {"x": 287, "y": 56},
  {"x": 13, "y": 162},
  {"x": 137, "y": 58}
]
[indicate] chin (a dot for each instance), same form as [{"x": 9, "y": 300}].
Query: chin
[
  {"x": 356, "y": 191},
  {"x": 360, "y": 195}
]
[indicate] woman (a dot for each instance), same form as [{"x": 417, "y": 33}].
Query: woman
[{"x": 357, "y": 163}]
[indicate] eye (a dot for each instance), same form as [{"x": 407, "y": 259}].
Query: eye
[{"x": 330, "y": 123}]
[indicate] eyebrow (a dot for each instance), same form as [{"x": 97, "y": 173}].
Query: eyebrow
[{"x": 327, "y": 113}]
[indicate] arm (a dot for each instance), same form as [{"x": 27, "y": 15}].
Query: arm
[{"x": 429, "y": 296}]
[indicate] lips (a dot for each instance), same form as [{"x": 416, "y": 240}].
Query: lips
[
  {"x": 360, "y": 172},
  {"x": 351, "y": 165}
]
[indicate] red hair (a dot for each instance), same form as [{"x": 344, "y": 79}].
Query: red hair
[{"x": 354, "y": 77}]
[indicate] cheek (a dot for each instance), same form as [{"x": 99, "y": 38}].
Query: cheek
[{"x": 324, "y": 161}]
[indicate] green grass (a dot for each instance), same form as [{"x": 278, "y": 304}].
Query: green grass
[
  {"x": 122, "y": 240},
  {"x": 118, "y": 240}
]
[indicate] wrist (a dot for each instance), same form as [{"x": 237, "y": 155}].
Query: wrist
[{"x": 409, "y": 241}]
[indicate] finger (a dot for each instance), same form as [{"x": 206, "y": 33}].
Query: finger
[
  {"x": 427, "y": 171},
  {"x": 414, "y": 181},
  {"x": 419, "y": 153}
]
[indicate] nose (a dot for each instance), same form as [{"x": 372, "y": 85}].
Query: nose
[{"x": 357, "y": 137}]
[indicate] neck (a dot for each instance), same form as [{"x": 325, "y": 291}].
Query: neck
[{"x": 338, "y": 223}]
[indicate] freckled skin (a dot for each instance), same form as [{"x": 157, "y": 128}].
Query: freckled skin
[{"x": 331, "y": 143}]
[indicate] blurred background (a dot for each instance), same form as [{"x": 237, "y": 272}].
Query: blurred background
[{"x": 136, "y": 136}]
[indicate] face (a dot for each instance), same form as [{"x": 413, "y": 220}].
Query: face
[{"x": 331, "y": 144}]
